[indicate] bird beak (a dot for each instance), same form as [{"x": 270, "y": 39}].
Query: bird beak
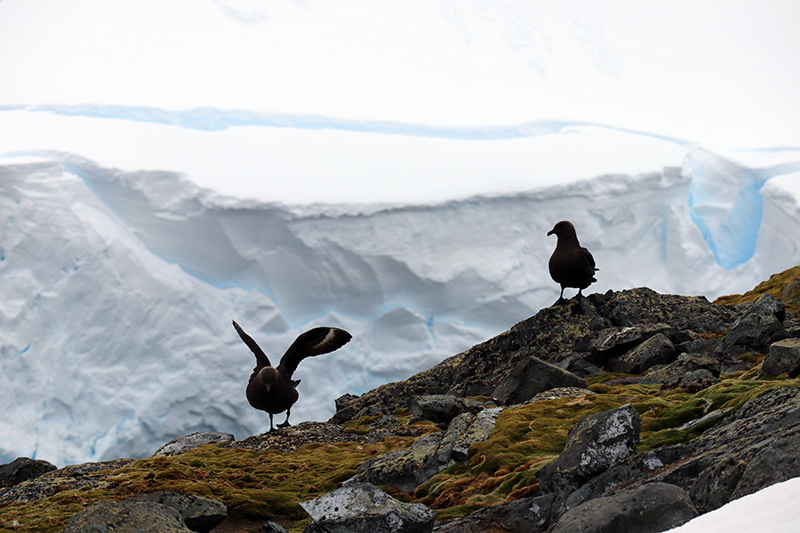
[{"x": 550, "y": 232}]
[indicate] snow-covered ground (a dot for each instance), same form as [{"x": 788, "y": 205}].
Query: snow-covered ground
[{"x": 773, "y": 509}]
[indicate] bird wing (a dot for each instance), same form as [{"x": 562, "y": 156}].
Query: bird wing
[
  {"x": 588, "y": 255},
  {"x": 313, "y": 342},
  {"x": 261, "y": 358}
]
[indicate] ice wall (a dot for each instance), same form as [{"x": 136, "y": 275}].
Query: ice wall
[{"x": 117, "y": 288}]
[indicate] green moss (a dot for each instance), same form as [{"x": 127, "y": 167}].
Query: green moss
[
  {"x": 504, "y": 466},
  {"x": 254, "y": 484},
  {"x": 774, "y": 286},
  {"x": 753, "y": 358}
]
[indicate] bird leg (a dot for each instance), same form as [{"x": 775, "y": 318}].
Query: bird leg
[
  {"x": 271, "y": 429},
  {"x": 286, "y": 423},
  {"x": 561, "y": 296}
]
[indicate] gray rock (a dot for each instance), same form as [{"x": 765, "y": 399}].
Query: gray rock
[
  {"x": 692, "y": 372},
  {"x": 649, "y": 508},
  {"x": 72, "y": 477},
  {"x": 595, "y": 443},
  {"x": 22, "y": 469},
  {"x": 559, "y": 392},
  {"x": 657, "y": 350},
  {"x": 192, "y": 441},
  {"x": 478, "y": 430},
  {"x": 770, "y": 304},
  {"x": 783, "y": 356},
  {"x": 635, "y": 307},
  {"x": 758, "y": 327},
  {"x": 530, "y": 377},
  {"x": 526, "y": 515},
  {"x": 428, "y": 455},
  {"x": 577, "y": 363},
  {"x": 126, "y": 517},
  {"x": 344, "y": 400},
  {"x": 442, "y": 408},
  {"x": 563, "y": 334},
  {"x": 757, "y": 446},
  {"x": 619, "y": 341},
  {"x": 406, "y": 469},
  {"x": 454, "y": 438},
  {"x": 198, "y": 513},
  {"x": 713, "y": 415},
  {"x": 345, "y": 408},
  {"x": 640, "y": 465},
  {"x": 364, "y": 508}
]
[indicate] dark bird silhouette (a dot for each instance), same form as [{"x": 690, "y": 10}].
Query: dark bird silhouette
[
  {"x": 272, "y": 389},
  {"x": 571, "y": 265}
]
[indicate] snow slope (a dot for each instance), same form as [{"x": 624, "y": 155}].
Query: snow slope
[{"x": 772, "y": 509}]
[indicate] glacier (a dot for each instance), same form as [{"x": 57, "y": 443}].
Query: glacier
[
  {"x": 166, "y": 167},
  {"x": 118, "y": 287}
]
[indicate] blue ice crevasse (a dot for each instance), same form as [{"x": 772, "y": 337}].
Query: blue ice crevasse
[{"x": 726, "y": 205}]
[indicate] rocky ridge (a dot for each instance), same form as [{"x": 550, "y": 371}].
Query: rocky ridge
[{"x": 629, "y": 407}]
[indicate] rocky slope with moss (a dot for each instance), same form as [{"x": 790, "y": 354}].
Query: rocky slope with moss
[{"x": 667, "y": 406}]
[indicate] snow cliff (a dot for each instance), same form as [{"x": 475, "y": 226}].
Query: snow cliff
[{"x": 118, "y": 288}]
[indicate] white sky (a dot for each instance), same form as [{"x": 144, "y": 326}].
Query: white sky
[{"x": 722, "y": 73}]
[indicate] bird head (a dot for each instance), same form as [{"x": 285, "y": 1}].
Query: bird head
[
  {"x": 268, "y": 376},
  {"x": 563, "y": 229}
]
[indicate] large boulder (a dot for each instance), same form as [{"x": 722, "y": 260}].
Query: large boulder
[
  {"x": 127, "y": 517},
  {"x": 649, "y": 508},
  {"x": 22, "y": 469},
  {"x": 198, "y": 513},
  {"x": 620, "y": 340},
  {"x": 759, "y": 326},
  {"x": 442, "y": 408},
  {"x": 530, "y": 377},
  {"x": 783, "y": 356},
  {"x": 594, "y": 444},
  {"x": 364, "y": 508},
  {"x": 657, "y": 350},
  {"x": 691, "y": 372},
  {"x": 526, "y": 515}
]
